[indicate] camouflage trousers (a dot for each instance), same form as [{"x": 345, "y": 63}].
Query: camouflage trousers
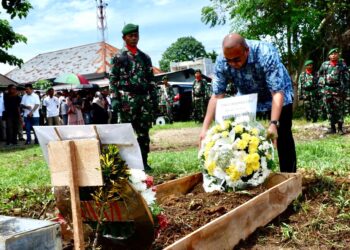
[
  {"x": 311, "y": 107},
  {"x": 347, "y": 103},
  {"x": 334, "y": 103},
  {"x": 167, "y": 110},
  {"x": 137, "y": 110},
  {"x": 199, "y": 109}
]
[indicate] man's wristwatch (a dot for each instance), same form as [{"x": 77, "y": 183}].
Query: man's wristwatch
[{"x": 277, "y": 123}]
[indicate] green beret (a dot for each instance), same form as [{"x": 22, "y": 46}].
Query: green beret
[
  {"x": 333, "y": 50},
  {"x": 308, "y": 62},
  {"x": 130, "y": 28},
  {"x": 165, "y": 78}
]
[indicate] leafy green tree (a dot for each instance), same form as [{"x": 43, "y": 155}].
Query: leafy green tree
[
  {"x": 42, "y": 84},
  {"x": 8, "y": 38},
  {"x": 212, "y": 55},
  {"x": 298, "y": 28},
  {"x": 184, "y": 49}
]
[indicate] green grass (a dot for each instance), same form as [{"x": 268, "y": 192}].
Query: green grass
[
  {"x": 175, "y": 125},
  {"x": 23, "y": 167},
  {"x": 181, "y": 162},
  {"x": 328, "y": 154}
]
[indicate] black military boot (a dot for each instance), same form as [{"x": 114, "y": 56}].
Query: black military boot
[
  {"x": 340, "y": 128},
  {"x": 332, "y": 129}
]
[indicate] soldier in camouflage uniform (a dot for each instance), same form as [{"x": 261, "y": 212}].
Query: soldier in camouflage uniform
[
  {"x": 166, "y": 99},
  {"x": 308, "y": 91},
  {"x": 200, "y": 97},
  {"x": 134, "y": 95},
  {"x": 334, "y": 77}
]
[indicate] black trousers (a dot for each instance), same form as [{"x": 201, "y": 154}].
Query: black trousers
[{"x": 285, "y": 142}]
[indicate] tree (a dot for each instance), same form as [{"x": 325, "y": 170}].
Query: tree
[
  {"x": 298, "y": 28},
  {"x": 212, "y": 55},
  {"x": 8, "y": 38},
  {"x": 42, "y": 84},
  {"x": 184, "y": 49}
]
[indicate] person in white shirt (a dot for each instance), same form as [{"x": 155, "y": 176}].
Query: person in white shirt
[
  {"x": 30, "y": 104},
  {"x": 63, "y": 107},
  {"x": 52, "y": 105}
]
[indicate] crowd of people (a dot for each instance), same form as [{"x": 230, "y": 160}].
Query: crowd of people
[
  {"x": 246, "y": 66},
  {"x": 31, "y": 108},
  {"x": 326, "y": 93}
]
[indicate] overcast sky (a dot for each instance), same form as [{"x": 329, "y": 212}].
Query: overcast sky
[{"x": 54, "y": 25}]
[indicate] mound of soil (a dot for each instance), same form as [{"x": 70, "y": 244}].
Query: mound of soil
[{"x": 186, "y": 213}]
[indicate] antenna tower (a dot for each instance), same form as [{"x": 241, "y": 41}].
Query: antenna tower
[{"x": 101, "y": 17}]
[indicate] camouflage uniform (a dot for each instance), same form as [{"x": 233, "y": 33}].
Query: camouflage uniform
[
  {"x": 308, "y": 91},
  {"x": 134, "y": 97},
  {"x": 333, "y": 82},
  {"x": 200, "y": 97},
  {"x": 166, "y": 101}
]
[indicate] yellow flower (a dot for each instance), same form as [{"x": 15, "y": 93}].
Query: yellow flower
[
  {"x": 242, "y": 144},
  {"x": 245, "y": 136},
  {"x": 238, "y": 129},
  {"x": 254, "y": 140},
  {"x": 217, "y": 129},
  {"x": 255, "y": 166},
  {"x": 226, "y": 125},
  {"x": 248, "y": 170},
  {"x": 255, "y": 157},
  {"x": 254, "y": 131},
  {"x": 268, "y": 156},
  {"x": 253, "y": 148},
  {"x": 211, "y": 167},
  {"x": 233, "y": 173},
  {"x": 225, "y": 134},
  {"x": 209, "y": 145},
  {"x": 248, "y": 159}
]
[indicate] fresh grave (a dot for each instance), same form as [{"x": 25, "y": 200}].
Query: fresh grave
[{"x": 104, "y": 192}]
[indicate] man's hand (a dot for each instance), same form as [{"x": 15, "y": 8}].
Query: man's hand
[
  {"x": 201, "y": 137},
  {"x": 272, "y": 134}
]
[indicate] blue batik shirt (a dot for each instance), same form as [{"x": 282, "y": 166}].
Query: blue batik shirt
[{"x": 263, "y": 73}]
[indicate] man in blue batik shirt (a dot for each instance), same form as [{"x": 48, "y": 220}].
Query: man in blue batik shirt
[{"x": 256, "y": 67}]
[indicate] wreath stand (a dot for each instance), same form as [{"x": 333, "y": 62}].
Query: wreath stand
[{"x": 76, "y": 163}]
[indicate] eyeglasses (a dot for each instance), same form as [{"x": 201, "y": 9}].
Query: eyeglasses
[{"x": 233, "y": 60}]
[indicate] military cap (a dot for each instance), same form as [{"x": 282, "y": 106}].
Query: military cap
[
  {"x": 308, "y": 62},
  {"x": 165, "y": 78},
  {"x": 198, "y": 70},
  {"x": 130, "y": 28},
  {"x": 333, "y": 50}
]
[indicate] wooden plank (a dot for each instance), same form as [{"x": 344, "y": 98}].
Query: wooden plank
[
  {"x": 75, "y": 199},
  {"x": 87, "y": 160},
  {"x": 178, "y": 186},
  {"x": 226, "y": 231}
]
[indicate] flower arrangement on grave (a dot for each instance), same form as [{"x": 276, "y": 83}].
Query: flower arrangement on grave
[
  {"x": 116, "y": 174},
  {"x": 235, "y": 156}
]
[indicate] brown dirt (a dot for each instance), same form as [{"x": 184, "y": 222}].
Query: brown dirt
[
  {"x": 189, "y": 212},
  {"x": 175, "y": 139},
  {"x": 319, "y": 219}
]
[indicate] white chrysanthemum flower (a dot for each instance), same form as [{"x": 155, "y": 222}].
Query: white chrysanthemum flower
[
  {"x": 137, "y": 175},
  {"x": 216, "y": 136},
  {"x": 149, "y": 196},
  {"x": 232, "y": 135},
  {"x": 219, "y": 173},
  {"x": 209, "y": 185},
  {"x": 263, "y": 162},
  {"x": 140, "y": 186}
]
